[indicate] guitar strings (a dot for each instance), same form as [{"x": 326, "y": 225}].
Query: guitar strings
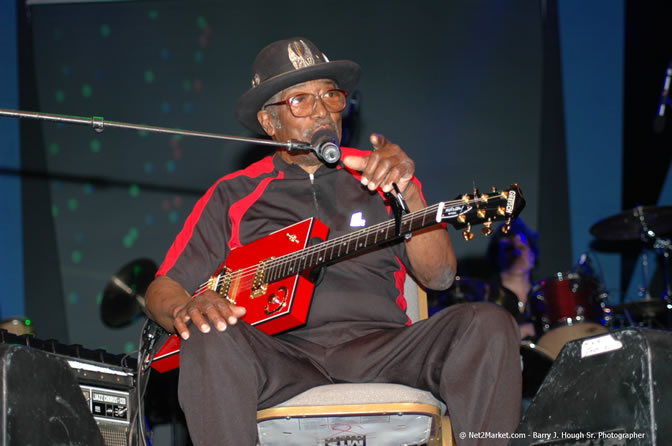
[{"x": 246, "y": 275}]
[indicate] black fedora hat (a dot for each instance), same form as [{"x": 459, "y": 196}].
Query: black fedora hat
[{"x": 285, "y": 63}]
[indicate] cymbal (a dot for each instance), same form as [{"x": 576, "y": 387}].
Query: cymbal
[
  {"x": 642, "y": 309},
  {"x": 628, "y": 224},
  {"x": 123, "y": 297}
]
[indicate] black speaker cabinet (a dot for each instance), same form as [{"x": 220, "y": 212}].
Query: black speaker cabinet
[
  {"x": 41, "y": 402},
  {"x": 612, "y": 389}
]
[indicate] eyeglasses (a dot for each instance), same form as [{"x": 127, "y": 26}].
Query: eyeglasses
[{"x": 303, "y": 104}]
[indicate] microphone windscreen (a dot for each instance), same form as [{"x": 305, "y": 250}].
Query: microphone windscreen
[
  {"x": 322, "y": 136},
  {"x": 325, "y": 145}
]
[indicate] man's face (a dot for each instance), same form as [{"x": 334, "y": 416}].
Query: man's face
[
  {"x": 290, "y": 127},
  {"x": 524, "y": 256}
]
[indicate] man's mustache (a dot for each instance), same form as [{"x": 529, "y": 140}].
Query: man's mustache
[{"x": 322, "y": 124}]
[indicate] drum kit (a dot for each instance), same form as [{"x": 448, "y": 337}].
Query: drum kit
[{"x": 575, "y": 304}]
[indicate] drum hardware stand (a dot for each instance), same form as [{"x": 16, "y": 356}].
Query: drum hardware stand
[
  {"x": 664, "y": 247},
  {"x": 645, "y": 235},
  {"x": 649, "y": 238}
]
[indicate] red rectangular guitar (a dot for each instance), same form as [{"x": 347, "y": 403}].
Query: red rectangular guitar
[{"x": 270, "y": 277}]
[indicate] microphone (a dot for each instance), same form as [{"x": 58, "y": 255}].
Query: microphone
[
  {"x": 659, "y": 122},
  {"x": 324, "y": 144}
]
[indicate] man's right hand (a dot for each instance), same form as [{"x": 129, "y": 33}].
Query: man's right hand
[
  {"x": 172, "y": 307},
  {"x": 203, "y": 310}
]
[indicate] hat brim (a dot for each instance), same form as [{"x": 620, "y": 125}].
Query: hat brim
[{"x": 344, "y": 72}]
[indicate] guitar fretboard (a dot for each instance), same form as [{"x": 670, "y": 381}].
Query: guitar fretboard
[{"x": 348, "y": 244}]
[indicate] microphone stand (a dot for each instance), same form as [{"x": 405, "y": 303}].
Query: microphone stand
[{"x": 99, "y": 124}]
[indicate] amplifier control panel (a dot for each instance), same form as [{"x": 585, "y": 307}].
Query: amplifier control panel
[{"x": 107, "y": 404}]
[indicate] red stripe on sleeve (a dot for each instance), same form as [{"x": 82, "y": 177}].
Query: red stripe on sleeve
[
  {"x": 261, "y": 167},
  {"x": 400, "y": 280}
]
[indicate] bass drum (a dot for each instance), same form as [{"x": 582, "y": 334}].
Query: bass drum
[
  {"x": 553, "y": 341},
  {"x": 568, "y": 306}
]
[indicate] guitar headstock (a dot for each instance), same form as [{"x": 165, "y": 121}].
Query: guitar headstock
[{"x": 482, "y": 209}]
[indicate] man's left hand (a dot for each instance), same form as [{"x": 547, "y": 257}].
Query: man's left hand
[{"x": 387, "y": 164}]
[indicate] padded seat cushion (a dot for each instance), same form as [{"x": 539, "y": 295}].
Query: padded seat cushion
[{"x": 362, "y": 393}]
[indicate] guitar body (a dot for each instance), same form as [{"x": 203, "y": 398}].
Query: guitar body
[
  {"x": 284, "y": 304},
  {"x": 277, "y": 306}
]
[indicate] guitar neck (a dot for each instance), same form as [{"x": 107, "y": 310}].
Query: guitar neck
[
  {"x": 460, "y": 213},
  {"x": 348, "y": 244}
]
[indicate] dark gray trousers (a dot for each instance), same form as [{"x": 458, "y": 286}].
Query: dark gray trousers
[{"x": 467, "y": 355}]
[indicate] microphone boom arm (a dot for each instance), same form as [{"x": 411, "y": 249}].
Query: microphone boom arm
[{"x": 99, "y": 124}]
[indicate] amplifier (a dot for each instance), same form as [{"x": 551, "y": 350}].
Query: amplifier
[
  {"x": 106, "y": 381},
  {"x": 110, "y": 396},
  {"x": 613, "y": 389}
]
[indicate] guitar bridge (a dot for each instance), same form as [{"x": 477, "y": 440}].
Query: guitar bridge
[{"x": 221, "y": 284}]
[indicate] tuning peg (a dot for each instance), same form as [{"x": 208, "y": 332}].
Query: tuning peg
[
  {"x": 484, "y": 198},
  {"x": 466, "y": 198},
  {"x": 487, "y": 230},
  {"x": 507, "y": 226},
  {"x": 494, "y": 190},
  {"x": 481, "y": 213},
  {"x": 467, "y": 234}
]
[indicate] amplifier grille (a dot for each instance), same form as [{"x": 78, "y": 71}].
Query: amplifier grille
[{"x": 114, "y": 434}]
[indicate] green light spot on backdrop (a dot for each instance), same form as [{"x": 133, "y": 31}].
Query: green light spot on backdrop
[
  {"x": 199, "y": 56},
  {"x": 54, "y": 148},
  {"x": 143, "y": 133},
  {"x": 130, "y": 238},
  {"x": 95, "y": 145},
  {"x": 149, "y": 76},
  {"x": 87, "y": 91},
  {"x": 73, "y": 298},
  {"x": 201, "y": 22},
  {"x": 99, "y": 299},
  {"x": 54, "y": 211},
  {"x": 186, "y": 84},
  {"x": 129, "y": 347},
  {"x": 76, "y": 256},
  {"x": 105, "y": 30},
  {"x": 73, "y": 204},
  {"x": 173, "y": 216},
  {"x": 60, "y": 96},
  {"x": 153, "y": 14},
  {"x": 134, "y": 190}
]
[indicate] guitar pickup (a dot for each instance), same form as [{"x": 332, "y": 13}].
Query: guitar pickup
[{"x": 259, "y": 283}]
